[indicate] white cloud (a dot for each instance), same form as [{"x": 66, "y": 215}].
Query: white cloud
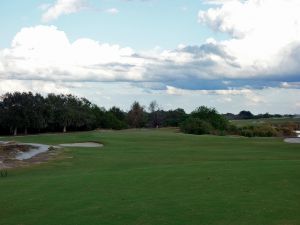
[
  {"x": 33, "y": 86},
  {"x": 179, "y": 91},
  {"x": 265, "y": 35},
  {"x": 290, "y": 85},
  {"x": 62, "y": 7},
  {"x": 112, "y": 11},
  {"x": 45, "y": 53},
  {"x": 263, "y": 51},
  {"x": 249, "y": 96}
]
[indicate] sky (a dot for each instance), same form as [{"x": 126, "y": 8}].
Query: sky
[{"x": 229, "y": 54}]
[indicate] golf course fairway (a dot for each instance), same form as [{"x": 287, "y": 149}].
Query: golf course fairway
[{"x": 155, "y": 177}]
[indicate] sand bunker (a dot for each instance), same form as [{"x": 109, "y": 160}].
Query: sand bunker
[
  {"x": 292, "y": 140},
  {"x": 83, "y": 144}
]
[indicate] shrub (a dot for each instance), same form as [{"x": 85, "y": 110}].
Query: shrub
[
  {"x": 286, "y": 131},
  {"x": 233, "y": 129},
  {"x": 196, "y": 126},
  {"x": 259, "y": 131},
  {"x": 212, "y": 116}
]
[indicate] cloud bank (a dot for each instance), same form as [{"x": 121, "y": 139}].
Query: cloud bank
[{"x": 262, "y": 52}]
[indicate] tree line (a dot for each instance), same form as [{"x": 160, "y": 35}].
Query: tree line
[
  {"x": 23, "y": 113},
  {"x": 247, "y": 115}
]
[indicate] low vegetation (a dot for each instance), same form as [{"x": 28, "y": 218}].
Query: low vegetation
[{"x": 208, "y": 121}]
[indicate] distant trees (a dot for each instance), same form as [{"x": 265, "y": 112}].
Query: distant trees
[
  {"x": 68, "y": 111},
  {"x": 20, "y": 112},
  {"x": 33, "y": 113},
  {"x": 27, "y": 112},
  {"x": 246, "y": 115}
]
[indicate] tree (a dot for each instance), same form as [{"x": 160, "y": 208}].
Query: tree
[
  {"x": 12, "y": 110},
  {"x": 156, "y": 115},
  {"x": 211, "y": 116},
  {"x": 99, "y": 115},
  {"x": 64, "y": 111},
  {"x": 118, "y": 113},
  {"x": 244, "y": 115},
  {"x": 173, "y": 118},
  {"x": 136, "y": 115},
  {"x": 57, "y": 111},
  {"x": 116, "y": 118},
  {"x": 3, "y": 124}
]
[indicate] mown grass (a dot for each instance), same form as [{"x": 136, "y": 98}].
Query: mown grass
[{"x": 156, "y": 177}]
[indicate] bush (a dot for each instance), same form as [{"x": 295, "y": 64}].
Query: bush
[
  {"x": 233, "y": 129},
  {"x": 259, "y": 131},
  {"x": 286, "y": 131},
  {"x": 196, "y": 126},
  {"x": 211, "y": 115}
]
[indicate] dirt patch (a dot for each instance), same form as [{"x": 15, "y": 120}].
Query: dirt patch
[
  {"x": 14, "y": 154},
  {"x": 10, "y": 150},
  {"x": 83, "y": 144}
]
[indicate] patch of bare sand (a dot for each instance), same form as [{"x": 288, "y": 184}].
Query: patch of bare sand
[
  {"x": 292, "y": 140},
  {"x": 83, "y": 144}
]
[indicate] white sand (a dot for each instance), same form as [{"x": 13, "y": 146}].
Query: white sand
[
  {"x": 84, "y": 144},
  {"x": 292, "y": 140}
]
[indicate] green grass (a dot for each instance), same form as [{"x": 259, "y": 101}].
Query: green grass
[{"x": 155, "y": 178}]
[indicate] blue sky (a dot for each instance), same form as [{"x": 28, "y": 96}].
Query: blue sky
[
  {"x": 139, "y": 24},
  {"x": 228, "y": 54}
]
